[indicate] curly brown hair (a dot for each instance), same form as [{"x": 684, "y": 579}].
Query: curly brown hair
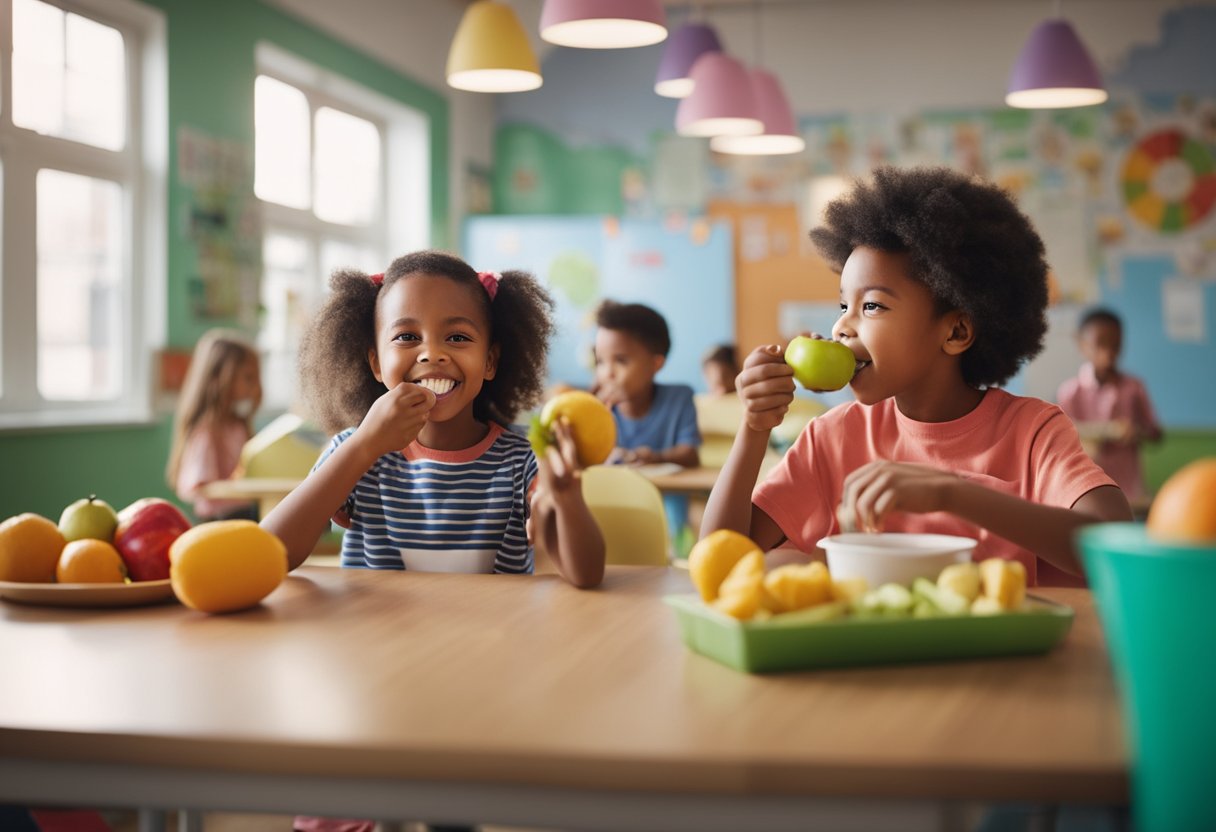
[
  {"x": 337, "y": 379},
  {"x": 967, "y": 242}
]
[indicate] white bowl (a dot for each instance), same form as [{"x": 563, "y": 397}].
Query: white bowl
[{"x": 893, "y": 557}]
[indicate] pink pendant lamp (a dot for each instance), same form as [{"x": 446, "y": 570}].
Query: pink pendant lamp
[
  {"x": 780, "y": 134},
  {"x": 721, "y": 103},
  {"x": 603, "y": 24}
]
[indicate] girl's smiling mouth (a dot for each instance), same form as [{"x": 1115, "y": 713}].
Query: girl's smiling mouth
[{"x": 441, "y": 387}]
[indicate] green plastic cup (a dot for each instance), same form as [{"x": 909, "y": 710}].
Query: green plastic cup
[{"x": 1157, "y": 603}]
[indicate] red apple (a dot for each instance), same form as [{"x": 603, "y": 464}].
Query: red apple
[{"x": 146, "y": 530}]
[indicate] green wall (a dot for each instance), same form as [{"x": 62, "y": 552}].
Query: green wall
[{"x": 211, "y": 73}]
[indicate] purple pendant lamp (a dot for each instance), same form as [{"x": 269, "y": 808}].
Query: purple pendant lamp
[
  {"x": 780, "y": 134},
  {"x": 1054, "y": 70},
  {"x": 721, "y": 102},
  {"x": 603, "y": 24},
  {"x": 690, "y": 41}
]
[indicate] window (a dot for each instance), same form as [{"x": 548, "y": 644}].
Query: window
[
  {"x": 82, "y": 232},
  {"x": 343, "y": 176}
]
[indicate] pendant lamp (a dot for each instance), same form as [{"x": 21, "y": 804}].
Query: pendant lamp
[
  {"x": 780, "y": 134},
  {"x": 690, "y": 41},
  {"x": 1054, "y": 70},
  {"x": 603, "y": 24},
  {"x": 490, "y": 52},
  {"x": 721, "y": 102}
]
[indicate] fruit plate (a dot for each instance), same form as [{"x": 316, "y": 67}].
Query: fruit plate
[
  {"x": 87, "y": 595},
  {"x": 796, "y": 641}
]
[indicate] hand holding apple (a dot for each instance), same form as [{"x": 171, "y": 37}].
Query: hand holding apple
[
  {"x": 146, "y": 530},
  {"x": 820, "y": 364},
  {"x": 766, "y": 387}
]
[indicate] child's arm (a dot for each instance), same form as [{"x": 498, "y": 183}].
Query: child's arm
[
  {"x": 766, "y": 387},
  {"x": 880, "y": 487},
  {"x": 392, "y": 423},
  {"x": 567, "y": 531}
]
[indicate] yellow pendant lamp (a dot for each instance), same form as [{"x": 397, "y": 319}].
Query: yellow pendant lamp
[{"x": 490, "y": 52}]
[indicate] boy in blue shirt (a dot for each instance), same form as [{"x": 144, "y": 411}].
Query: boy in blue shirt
[{"x": 655, "y": 423}]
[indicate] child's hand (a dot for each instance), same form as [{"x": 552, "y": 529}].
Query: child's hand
[
  {"x": 609, "y": 394},
  {"x": 766, "y": 387},
  {"x": 559, "y": 468},
  {"x": 878, "y": 488},
  {"x": 396, "y": 418}
]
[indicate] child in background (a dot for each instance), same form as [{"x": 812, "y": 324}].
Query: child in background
[
  {"x": 943, "y": 294},
  {"x": 418, "y": 371},
  {"x": 720, "y": 366},
  {"x": 654, "y": 422},
  {"x": 221, "y": 392},
  {"x": 1108, "y": 404}
]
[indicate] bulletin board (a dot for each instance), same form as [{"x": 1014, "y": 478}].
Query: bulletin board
[{"x": 679, "y": 267}]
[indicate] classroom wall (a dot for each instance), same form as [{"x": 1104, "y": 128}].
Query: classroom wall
[
  {"x": 211, "y": 72},
  {"x": 922, "y": 83}
]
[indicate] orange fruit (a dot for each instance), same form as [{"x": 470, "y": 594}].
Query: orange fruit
[
  {"x": 1184, "y": 510},
  {"x": 713, "y": 558},
  {"x": 590, "y": 421},
  {"x": 90, "y": 561},
  {"x": 29, "y": 549},
  {"x": 226, "y": 565}
]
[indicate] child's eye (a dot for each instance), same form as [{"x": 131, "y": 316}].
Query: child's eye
[
  {"x": 459, "y": 338},
  {"x": 871, "y": 306},
  {"x": 405, "y": 336},
  {"x": 844, "y": 307}
]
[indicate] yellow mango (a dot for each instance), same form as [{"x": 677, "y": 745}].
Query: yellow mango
[
  {"x": 796, "y": 587},
  {"x": 714, "y": 556},
  {"x": 740, "y": 595}
]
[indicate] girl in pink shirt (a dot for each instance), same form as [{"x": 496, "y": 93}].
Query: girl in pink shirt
[
  {"x": 943, "y": 290},
  {"x": 222, "y": 390}
]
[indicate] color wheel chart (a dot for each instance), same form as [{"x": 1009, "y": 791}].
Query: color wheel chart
[{"x": 1169, "y": 181}]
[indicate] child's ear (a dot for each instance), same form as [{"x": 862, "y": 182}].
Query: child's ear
[
  {"x": 373, "y": 361},
  {"x": 492, "y": 361},
  {"x": 659, "y": 362},
  {"x": 961, "y": 335}
]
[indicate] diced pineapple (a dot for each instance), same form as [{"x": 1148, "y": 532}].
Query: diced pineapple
[
  {"x": 962, "y": 579},
  {"x": 986, "y": 606},
  {"x": 739, "y": 596},
  {"x": 1004, "y": 581},
  {"x": 849, "y": 589},
  {"x": 796, "y": 587}
]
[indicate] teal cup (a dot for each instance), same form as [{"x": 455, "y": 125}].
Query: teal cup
[{"x": 1157, "y": 603}]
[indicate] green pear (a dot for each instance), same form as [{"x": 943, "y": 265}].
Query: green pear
[{"x": 89, "y": 518}]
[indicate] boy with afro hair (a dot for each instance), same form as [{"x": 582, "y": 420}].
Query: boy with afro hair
[{"x": 943, "y": 294}]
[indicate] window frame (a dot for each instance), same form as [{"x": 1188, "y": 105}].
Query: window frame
[
  {"x": 402, "y": 220},
  {"x": 140, "y": 169}
]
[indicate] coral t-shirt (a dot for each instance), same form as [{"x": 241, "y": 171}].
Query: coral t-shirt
[{"x": 1016, "y": 445}]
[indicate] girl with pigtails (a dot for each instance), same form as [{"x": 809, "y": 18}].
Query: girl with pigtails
[{"x": 418, "y": 372}]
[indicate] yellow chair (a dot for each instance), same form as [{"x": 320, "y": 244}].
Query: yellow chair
[{"x": 629, "y": 511}]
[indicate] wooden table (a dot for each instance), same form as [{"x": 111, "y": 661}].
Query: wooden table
[
  {"x": 695, "y": 482},
  {"x": 267, "y": 492},
  {"x": 520, "y": 700}
]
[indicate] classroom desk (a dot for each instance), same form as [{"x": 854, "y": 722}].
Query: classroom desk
[
  {"x": 522, "y": 701},
  {"x": 267, "y": 492}
]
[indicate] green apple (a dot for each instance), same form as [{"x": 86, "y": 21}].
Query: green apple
[
  {"x": 820, "y": 364},
  {"x": 89, "y": 518}
]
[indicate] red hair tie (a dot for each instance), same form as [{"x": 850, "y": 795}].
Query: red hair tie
[
  {"x": 490, "y": 281},
  {"x": 377, "y": 279}
]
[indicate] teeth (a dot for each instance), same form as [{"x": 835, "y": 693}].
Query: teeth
[{"x": 438, "y": 386}]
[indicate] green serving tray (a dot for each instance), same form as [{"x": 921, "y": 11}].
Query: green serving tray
[{"x": 796, "y": 641}]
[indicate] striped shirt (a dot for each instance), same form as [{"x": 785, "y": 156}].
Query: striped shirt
[{"x": 442, "y": 511}]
